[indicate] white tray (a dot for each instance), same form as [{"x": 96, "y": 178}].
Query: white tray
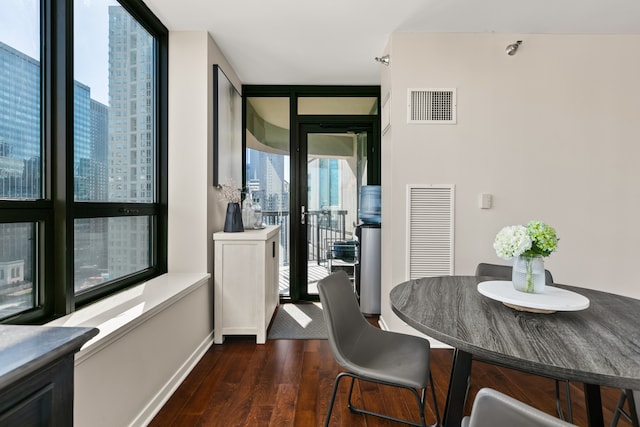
[{"x": 551, "y": 300}]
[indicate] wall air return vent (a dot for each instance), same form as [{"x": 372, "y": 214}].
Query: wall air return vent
[
  {"x": 431, "y": 106},
  {"x": 430, "y": 230}
]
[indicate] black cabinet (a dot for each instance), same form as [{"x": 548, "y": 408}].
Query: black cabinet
[{"x": 36, "y": 374}]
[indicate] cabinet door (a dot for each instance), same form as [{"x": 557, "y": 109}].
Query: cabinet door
[
  {"x": 45, "y": 398},
  {"x": 34, "y": 411},
  {"x": 241, "y": 277},
  {"x": 272, "y": 276}
]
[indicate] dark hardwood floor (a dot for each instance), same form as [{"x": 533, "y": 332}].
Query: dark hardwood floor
[{"x": 289, "y": 382}]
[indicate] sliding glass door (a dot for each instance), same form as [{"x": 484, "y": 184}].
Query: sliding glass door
[
  {"x": 332, "y": 168},
  {"x": 306, "y": 158}
]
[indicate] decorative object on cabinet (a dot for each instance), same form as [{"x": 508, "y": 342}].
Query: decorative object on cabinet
[
  {"x": 251, "y": 212},
  {"x": 245, "y": 280},
  {"x": 233, "y": 219}
]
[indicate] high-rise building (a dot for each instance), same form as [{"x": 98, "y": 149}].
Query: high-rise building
[
  {"x": 98, "y": 190},
  {"x": 90, "y": 244},
  {"x": 20, "y": 137},
  {"x": 20, "y": 176},
  {"x": 21, "y": 165},
  {"x": 81, "y": 141},
  {"x": 265, "y": 179},
  {"x": 20, "y": 131},
  {"x": 113, "y": 156},
  {"x": 131, "y": 150}
]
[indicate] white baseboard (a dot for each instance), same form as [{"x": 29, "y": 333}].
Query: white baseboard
[
  {"x": 165, "y": 393},
  {"x": 383, "y": 325}
]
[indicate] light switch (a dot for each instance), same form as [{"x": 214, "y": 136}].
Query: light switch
[{"x": 485, "y": 201}]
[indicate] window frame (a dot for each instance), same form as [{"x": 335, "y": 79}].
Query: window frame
[
  {"x": 56, "y": 212},
  {"x": 40, "y": 213},
  {"x": 157, "y": 210}
]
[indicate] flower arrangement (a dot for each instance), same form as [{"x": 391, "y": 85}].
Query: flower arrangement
[
  {"x": 230, "y": 192},
  {"x": 536, "y": 238}
]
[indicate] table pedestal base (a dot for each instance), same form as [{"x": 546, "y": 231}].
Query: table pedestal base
[
  {"x": 458, "y": 385},
  {"x": 593, "y": 402}
]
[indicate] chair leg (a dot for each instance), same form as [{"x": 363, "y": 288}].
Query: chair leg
[
  {"x": 333, "y": 396},
  {"x": 435, "y": 401},
  {"x": 616, "y": 412},
  {"x": 421, "y": 399},
  {"x": 421, "y": 405},
  {"x": 353, "y": 380},
  {"x": 567, "y": 396},
  {"x": 632, "y": 415}
]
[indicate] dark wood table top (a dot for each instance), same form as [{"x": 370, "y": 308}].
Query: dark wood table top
[
  {"x": 598, "y": 345},
  {"x": 25, "y": 349}
]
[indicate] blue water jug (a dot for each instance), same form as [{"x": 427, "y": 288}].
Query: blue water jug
[{"x": 370, "y": 204}]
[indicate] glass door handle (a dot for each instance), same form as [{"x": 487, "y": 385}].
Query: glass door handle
[{"x": 303, "y": 216}]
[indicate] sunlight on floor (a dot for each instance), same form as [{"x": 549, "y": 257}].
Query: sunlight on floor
[{"x": 298, "y": 315}]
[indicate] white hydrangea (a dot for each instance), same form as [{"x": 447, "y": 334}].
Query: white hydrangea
[{"x": 512, "y": 241}]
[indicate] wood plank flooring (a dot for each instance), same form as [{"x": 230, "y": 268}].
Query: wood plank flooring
[{"x": 289, "y": 382}]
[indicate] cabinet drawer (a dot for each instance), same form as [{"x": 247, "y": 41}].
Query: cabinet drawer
[{"x": 45, "y": 398}]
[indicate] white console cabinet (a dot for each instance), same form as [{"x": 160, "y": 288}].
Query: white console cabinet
[{"x": 246, "y": 272}]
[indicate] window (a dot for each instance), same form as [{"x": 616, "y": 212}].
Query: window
[
  {"x": 69, "y": 153},
  {"x": 21, "y": 165}
]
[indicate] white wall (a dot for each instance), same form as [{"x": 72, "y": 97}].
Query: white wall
[
  {"x": 551, "y": 132},
  {"x": 195, "y": 209},
  {"x": 189, "y": 137}
]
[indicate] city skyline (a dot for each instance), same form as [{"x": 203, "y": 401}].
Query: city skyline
[
  {"x": 113, "y": 154},
  {"x": 91, "y": 31}
]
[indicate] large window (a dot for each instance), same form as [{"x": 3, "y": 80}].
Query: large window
[{"x": 82, "y": 148}]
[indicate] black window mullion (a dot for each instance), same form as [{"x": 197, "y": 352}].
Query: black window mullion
[
  {"x": 106, "y": 210},
  {"x": 55, "y": 215},
  {"x": 47, "y": 288},
  {"x": 40, "y": 212},
  {"x": 60, "y": 43}
]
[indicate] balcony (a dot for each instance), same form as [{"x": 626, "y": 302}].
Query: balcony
[{"x": 324, "y": 227}]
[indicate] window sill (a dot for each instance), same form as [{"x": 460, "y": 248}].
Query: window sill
[{"x": 116, "y": 315}]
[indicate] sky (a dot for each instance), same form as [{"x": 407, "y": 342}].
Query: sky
[
  {"x": 19, "y": 28},
  {"x": 19, "y": 25}
]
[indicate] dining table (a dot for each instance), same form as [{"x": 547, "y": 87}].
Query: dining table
[{"x": 598, "y": 345}]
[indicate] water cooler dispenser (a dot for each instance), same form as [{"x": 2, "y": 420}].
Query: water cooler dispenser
[{"x": 368, "y": 283}]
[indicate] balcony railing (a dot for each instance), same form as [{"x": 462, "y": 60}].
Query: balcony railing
[
  {"x": 280, "y": 218},
  {"x": 323, "y": 228}
]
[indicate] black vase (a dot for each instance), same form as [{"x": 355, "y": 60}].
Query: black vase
[{"x": 233, "y": 221}]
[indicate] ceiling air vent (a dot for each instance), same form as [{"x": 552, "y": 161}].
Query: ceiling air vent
[{"x": 431, "y": 106}]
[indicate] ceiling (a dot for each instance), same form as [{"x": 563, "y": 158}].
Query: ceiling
[{"x": 336, "y": 41}]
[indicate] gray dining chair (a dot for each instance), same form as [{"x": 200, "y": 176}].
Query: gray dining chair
[
  {"x": 367, "y": 353},
  {"x": 492, "y": 408},
  {"x": 504, "y": 272},
  {"x": 631, "y": 415}
]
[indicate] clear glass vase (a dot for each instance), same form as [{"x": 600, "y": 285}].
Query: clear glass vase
[{"x": 528, "y": 274}]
